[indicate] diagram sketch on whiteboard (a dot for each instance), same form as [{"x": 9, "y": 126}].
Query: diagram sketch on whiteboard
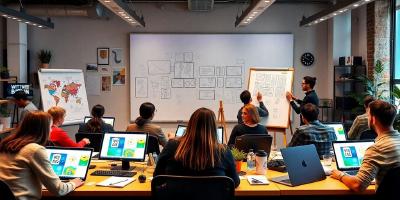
[
  {"x": 183, "y": 70},
  {"x": 189, "y": 83},
  {"x": 159, "y": 67},
  {"x": 233, "y": 70},
  {"x": 141, "y": 87},
  {"x": 176, "y": 83},
  {"x": 206, "y": 70},
  {"x": 220, "y": 71},
  {"x": 188, "y": 57},
  {"x": 207, "y": 94},
  {"x": 233, "y": 82},
  {"x": 207, "y": 82}
]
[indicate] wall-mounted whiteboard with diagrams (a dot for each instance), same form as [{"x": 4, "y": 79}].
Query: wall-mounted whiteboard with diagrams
[
  {"x": 273, "y": 84},
  {"x": 64, "y": 88},
  {"x": 180, "y": 73}
]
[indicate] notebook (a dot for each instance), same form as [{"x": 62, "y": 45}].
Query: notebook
[
  {"x": 349, "y": 154},
  {"x": 115, "y": 181},
  {"x": 107, "y": 120},
  {"x": 70, "y": 163}
]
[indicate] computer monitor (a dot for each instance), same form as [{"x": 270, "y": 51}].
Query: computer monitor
[
  {"x": 69, "y": 163},
  {"x": 107, "y": 120},
  {"x": 11, "y": 88},
  {"x": 339, "y": 131},
  {"x": 181, "y": 130},
  {"x": 124, "y": 146},
  {"x": 349, "y": 154}
]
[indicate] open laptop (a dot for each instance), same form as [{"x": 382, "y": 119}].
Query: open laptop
[
  {"x": 349, "y": 155},
  {"x": 108, "y": 120},
  {"x": 70, "y": 163},
  {"x": 303, "y": 166},
  {"x": 339, "y": 130},
  {"x": 181, "y": 130}
]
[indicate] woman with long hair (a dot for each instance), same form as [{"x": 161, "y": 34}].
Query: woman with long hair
[
  {"x": 143, "y": 123},
  {"x": 96, "y": 124},
  {"x": 197, "y": 152},
  {"x": 250, "y": 124},
  {"x": 57, "y": 135},
  {"x": 24, "y": 164}
]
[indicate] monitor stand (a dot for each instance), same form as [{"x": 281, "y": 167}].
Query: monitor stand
[{"x": 125, "y": 166}]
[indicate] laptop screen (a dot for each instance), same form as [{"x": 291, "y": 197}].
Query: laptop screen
[
  {"x": 181, "y": 130},
  {"x": 349, "y": 155},
  {"x": 107, "y": 120},
  {"x": 339, "y": 131},
  {"x": 69, "y": 163}
]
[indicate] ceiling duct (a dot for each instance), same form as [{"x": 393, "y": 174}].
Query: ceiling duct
[{"x": 200, "y": 5}]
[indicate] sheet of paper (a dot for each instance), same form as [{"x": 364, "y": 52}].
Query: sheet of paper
[
  {"x": 257, "y": 180},
  {"x": 115, "y": 181},
  {"x": 93, "y": 83}
]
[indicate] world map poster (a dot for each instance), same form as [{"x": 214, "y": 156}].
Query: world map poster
[{"x": 65, "y": 88}]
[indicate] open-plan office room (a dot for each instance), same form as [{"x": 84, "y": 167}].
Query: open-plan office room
[{"x": 182, "y": 55}]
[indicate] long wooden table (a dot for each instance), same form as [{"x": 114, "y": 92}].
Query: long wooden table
[{"x": 326, "y": 187}]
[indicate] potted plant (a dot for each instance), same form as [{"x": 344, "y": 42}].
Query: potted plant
[
  {"x": 44, "y": 57},
  {"x": 5, "y": 117},
  {"x": 4, "y": 73},
  {"x": 239, "y": 156}
]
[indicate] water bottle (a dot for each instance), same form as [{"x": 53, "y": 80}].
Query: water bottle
[
  {"x": 155, "y": 158},
  {"x": 251, "y": 160}
]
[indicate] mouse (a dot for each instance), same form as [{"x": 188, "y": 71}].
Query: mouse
[
  {"x": 142, "y": 178},
  {"x": 92, "y": 166}
]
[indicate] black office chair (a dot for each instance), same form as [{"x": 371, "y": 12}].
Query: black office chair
[
  {"x": 95, "y": 139},
  {"x": 255, "y": 142},
  {"x": 389, "y": 187},
  {"x": 5, "y": 192},
  {"x": 368, "y": 135},
  {"x": 152, "y": 145},
  {"x": 192, "y": 187}
]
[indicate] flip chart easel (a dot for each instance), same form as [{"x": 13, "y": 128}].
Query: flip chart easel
[{"x": 221, "y": 120}]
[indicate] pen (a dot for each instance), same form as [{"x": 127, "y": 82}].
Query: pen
[
  {"x": 118, "y": 182},
  {"x": 255, "y": 180}
]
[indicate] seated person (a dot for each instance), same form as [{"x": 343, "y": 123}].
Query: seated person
[
  {"x": 381, "y": 156},
  {"x": 96, "y": 124},
  {"x": 22, "y": 101},
  {"x": 58, "y": 136},
  {"x": 313, "y": 131},
  {"x": 24, "y": 163},
  {"x": 360, "y": 124},
  {"x": 250, "y": 124},
  {"x": 143, "y": 123},
  {"x": 197, "y": 152},
  {"x": 245, "y": 97}
]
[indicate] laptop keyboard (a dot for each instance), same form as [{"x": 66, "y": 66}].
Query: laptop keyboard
[
  {"x": 353, "y": 173},
  {"x": 121, "y": 173},
  {"x": 286, "y": 181}
]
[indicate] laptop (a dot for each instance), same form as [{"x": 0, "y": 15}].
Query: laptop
[
  {"x": 70, "y": 163},
  {"x": 181, "y": 130},
  {"x": 339, "y": 130},
  {"x": 303, "y": 166},
  {"x": 107, "y": 120},
  {"x": 349, "y": 155}
]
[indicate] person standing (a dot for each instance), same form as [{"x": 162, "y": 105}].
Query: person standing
[
  {"x": 22, "y": 101},
  {"x": 307, "y": 85}
]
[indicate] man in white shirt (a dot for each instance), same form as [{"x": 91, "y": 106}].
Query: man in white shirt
[{"x": 22, "y": 101}]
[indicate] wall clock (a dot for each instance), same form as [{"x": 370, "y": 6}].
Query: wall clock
[{"x": 307, "y": 59}]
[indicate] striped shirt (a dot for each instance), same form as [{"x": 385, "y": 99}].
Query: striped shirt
[
  {"x": 314, "y": 133},
  {"x": 379, "y": 158},
  {"x": 360, "y": 125}
]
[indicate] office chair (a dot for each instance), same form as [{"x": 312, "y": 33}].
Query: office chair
[
  {"x": 5, "y": 191},
  {"x": 152, "y": 145},
  {"x": 255, "y": 142},
  {"x": 95, "y": 140},
  {"x": 192, "y": 187},
  {"x": 368, "y": 135},
  {"x": 388, "y": 189}
]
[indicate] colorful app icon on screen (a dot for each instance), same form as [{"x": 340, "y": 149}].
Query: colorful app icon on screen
[{"x": 349, "y": 155}]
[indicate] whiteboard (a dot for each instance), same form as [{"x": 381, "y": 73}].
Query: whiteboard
[
  {"x": 64, "y": 88},
  {"x": 180, "y": 73},
  {"x": 273, "y": 84}
]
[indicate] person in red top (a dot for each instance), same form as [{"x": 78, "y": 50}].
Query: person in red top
[{"x": 57, "y": 135}]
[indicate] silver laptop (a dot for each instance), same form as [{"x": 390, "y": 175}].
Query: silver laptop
[
  {"x": 339, "y": 130},
  {"x": 303, "y": 166},
  {"x": 349, "y": 155},
  {"x": 107, "y": 120}
]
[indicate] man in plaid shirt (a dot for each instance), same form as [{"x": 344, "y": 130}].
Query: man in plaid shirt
[{"x": 313, "y": 131}]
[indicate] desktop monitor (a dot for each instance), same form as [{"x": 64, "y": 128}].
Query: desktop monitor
[
  {"x": 11, "y": 88},
  {"x": 349, "y": 154},
  {"x": 69, "y": 163},
  {"x": 124, "y": 146},
  {"x": 181, "y": 130},
  {"x": 107, "y": 120},
  {"x": 339, "y": 131}
]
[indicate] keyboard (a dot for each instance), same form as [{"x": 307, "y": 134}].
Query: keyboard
[
  {"x": 121, "y": 173},
  {"x": 353, "y": 172},
  {"x": 277, "y": 165}
]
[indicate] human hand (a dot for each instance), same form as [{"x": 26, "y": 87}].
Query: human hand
[
  {"x": 86, "y": 140},
  {"x": 170, "y": 136},
  {"x": 77, "y": 181},
  {"x": 336, "y": 174},
  {"x": 289, "y": 96},
  {"x": 259, "y": 97}
]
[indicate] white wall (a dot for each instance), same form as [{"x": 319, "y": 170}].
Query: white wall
[{"x": 74, "y": 41}]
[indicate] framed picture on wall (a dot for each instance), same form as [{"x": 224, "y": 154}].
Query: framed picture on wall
[
  {"x": 118, "y": 76},
  {"x": 106, "y": 83},
  {"x": 103, "y": 56}
]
